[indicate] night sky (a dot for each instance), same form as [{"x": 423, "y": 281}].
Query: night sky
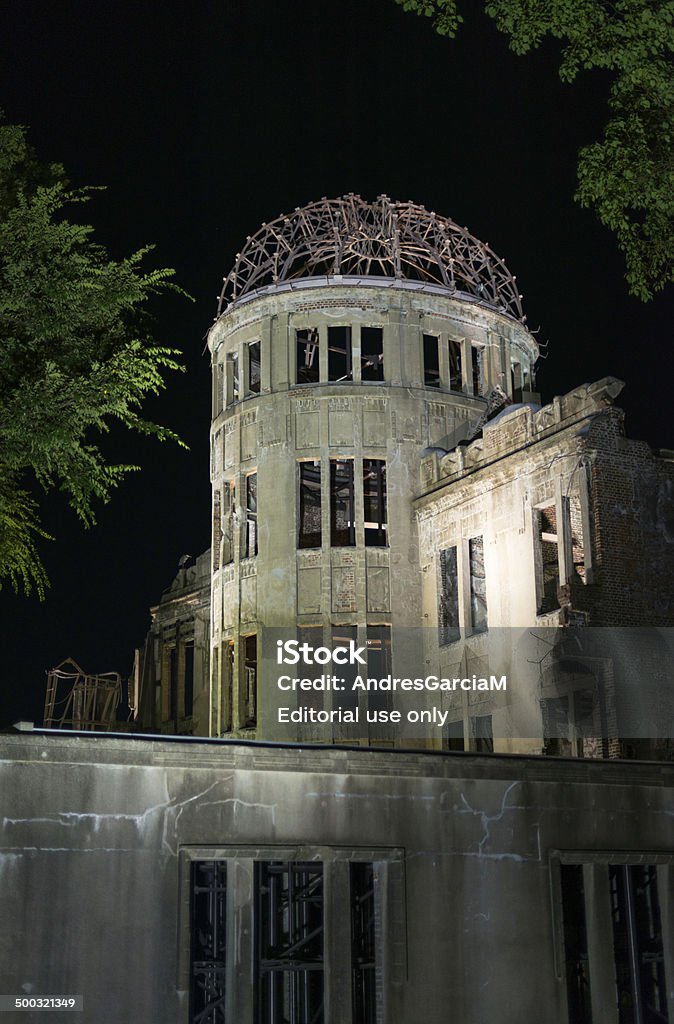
[{"x": 206, "y": 119}]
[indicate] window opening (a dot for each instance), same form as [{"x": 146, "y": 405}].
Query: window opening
[
  {"x": 290, "y": 948},
  {"x": 431, "y": 361},
  {"x": 577, "y": 543},
  {"x": 371, "y": 353},
  {"x": 342, "y": 526},
  {"x": 189, "y": 678},
  {"x": 251, "y": 515},
  {"x": 448, "y": 604},
  {"x": 227, "y": 686},
  {"x": 309, "y": 535},
  {"x": 549, "y": 547},
  {"x": 254, "y": 376},
  {"x": 228, "y": 523},
  {"x": 379, "y": 665},
  {"x": 250, "y": 680},
  {"x": 455, "y": 375},
  {"x": 339, "y": 354},
  {"x": 453, "y": 738},
  {"x": 478, "y": 585},
  {"x": 363, "y": 943},
  {"x": 476, "y": 355},
  {"x": 374, "y": 501},
  {"x": 208, "y": 941},
  {"x": 233, "y": 377},
  {"x": 218, "y": 388},
  {"x": 483, "y": 736},
  {"x": 516, "y": 381},
  {"x": 307, "y": 356},
  {"x": 217, "y": 528},
  {"x": 173, "y": 683}
]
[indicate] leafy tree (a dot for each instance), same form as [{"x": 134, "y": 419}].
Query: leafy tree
[
  {"x": 76, "y": 354},
  {"x": 628, "y": 176}
]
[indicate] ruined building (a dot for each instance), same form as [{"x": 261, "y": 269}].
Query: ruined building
[
  {"x": 383, "y": 477},
  {"x": 383, "y": 474}
]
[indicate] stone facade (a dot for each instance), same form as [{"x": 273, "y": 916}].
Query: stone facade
[
  {"x": 383, "y": 475},
  {"x": 174, "y": 695},
  {"x": 574, "y": 522}
]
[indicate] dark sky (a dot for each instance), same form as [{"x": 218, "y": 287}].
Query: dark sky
[{"x": 206, "y": 119}]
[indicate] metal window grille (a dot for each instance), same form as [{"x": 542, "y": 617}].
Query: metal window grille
[
  {"x": 290, "y": 957},
  {"x": 208, "y": 942}
]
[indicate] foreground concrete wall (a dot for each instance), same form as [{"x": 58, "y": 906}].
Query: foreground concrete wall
[{"x": 95, "y": 831}]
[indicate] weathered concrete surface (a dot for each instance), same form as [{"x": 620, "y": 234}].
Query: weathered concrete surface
[{"x": 93, "y": 829}]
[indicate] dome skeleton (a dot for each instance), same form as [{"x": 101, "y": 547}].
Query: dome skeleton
[{"x": 350, "y": 237}]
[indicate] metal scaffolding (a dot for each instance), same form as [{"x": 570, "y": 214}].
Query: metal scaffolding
[{"x": 75, "y": 700}]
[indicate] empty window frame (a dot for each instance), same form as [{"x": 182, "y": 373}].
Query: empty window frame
[
  {"x": 340, "y": 358},
  {"x": 374, "y": 502},
  {"x": 251, "y": 515},
  {"x": 548, "y": 542},
  {"x": 431, "y": 361},
  {"x": 309, "y": 518},
  {"x": 226, "y": 686},
  {"x": 208, "y": 941},
  {"x": 477, "y": 370},
  {"x": 189, "y": 678},
  {"x": 482, "y": 735},
  {"x": 378, "y": 667},
  {"x": 228, "y": 509},
  {"x": 289, "y": 924},
  {"x": 307, "y": 356},
  {"x": 172, "y": 682},
  {"x": 217, "y": 528},
  {"x": 371, "y": 353},
  {"x": 478, "y": 585},
  {"x": 516, "y": 381},
  {"x": 249, "y": 716},
  {"x": 568, "y": 721},
  {"x": 342, "y": 503},
  {"x": 254, "y": 368},
  {"x": 233, "y": 392},
  {"x": 453, "y": 736},
  {"x": 448, "y": 597},
  {"x": 578, "y": 568},
  {"x": 455, "y": 374},
  {"x": 218, "y": 387}
]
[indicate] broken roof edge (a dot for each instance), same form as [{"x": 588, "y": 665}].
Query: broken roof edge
[{"x": 537, "y": 424}]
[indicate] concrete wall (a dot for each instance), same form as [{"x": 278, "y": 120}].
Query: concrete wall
[{"x": 97, "y": 833}]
